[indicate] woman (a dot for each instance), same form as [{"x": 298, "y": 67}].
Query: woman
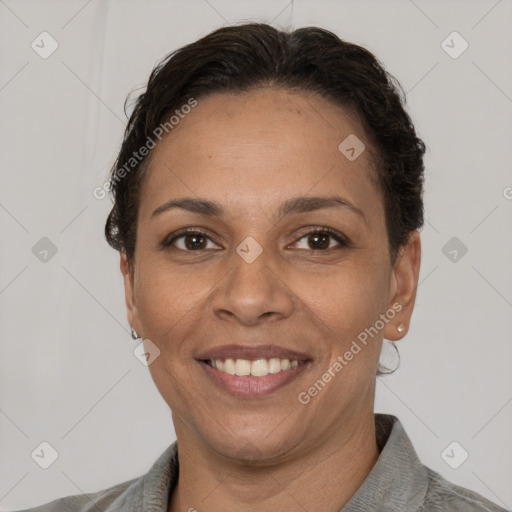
[{"x": 268, "y": 196}]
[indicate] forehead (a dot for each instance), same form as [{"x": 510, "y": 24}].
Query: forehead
[{"x": 259, "y": 147}]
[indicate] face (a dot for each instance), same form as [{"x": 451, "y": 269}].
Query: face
[{"x": 261, "y": 277}]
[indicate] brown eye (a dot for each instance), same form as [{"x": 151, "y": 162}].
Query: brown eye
[
  {"x": 320, "y": 239},
  {"x": 189, "y": 241},
  {"x": 192, "y": 242}
]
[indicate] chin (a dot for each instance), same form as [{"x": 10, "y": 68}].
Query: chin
[{"x": 253, "y": 446}]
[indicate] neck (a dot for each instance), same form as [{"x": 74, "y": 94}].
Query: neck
[{"x": 323, "y": 479}]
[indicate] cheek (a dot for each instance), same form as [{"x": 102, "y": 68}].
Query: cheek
[
  {"x": 168, "y": 308},
  {"x": 345, "y": 309},
  {"x": 169, "y": 302},
  {"x": 347, "y": 301}
]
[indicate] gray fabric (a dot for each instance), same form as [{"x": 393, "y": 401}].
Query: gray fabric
[{"x": 398, "y": 482}]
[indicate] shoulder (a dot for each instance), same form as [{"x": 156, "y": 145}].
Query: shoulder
[
  {"x": 444, "y": 496},
  {"x": 104, "y": 500},
  {"x": 148, "y": 491},
  {"x": 406, "y": 484}
]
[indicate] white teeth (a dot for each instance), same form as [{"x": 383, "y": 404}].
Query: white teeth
[
  {"x": 274, "y": 365},
  {"x": 256, "y": 368},
  {"x": 259, "y": 368},
  {"x": 243, "y": 367},
  {"x": 229, "y": 367}
]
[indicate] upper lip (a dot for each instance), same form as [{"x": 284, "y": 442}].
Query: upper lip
[{"x": 251, "y": 352}]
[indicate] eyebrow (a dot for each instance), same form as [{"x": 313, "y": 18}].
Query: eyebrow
[{"x": 295, "y": 205}]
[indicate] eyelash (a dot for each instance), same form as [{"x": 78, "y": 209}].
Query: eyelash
[{"x": 341, "y": 239}]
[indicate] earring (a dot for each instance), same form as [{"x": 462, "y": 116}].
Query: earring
[
  {"x": 400, "y": 328},
  {"x": 135, "y": 336}
]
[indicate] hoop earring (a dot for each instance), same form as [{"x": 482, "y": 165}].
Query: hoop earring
[
  {"x": 382, "y": 368},
  {"x": 135, "y": 336}
]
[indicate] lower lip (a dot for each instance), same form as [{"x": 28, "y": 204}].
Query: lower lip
[{"x": 252, "y": 386}]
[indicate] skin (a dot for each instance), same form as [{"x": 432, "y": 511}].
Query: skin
[{"x": 250, "y": 152}]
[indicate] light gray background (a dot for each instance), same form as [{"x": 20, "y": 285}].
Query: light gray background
[{"x": 68, "y": 374}]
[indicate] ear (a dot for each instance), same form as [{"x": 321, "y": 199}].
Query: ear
[
  {"x": 403, "y": 286},
  {"x": 131, "y": 308}
]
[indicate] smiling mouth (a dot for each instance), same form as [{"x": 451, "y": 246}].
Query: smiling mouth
[
  {"x": 255, "y": 377},
  {"x": 254, "y": 368}
]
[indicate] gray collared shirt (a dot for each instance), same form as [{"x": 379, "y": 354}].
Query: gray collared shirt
[{"x": 398, "y": 482}]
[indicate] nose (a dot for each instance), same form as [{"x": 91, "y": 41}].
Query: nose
[{"x": 253, "y": 292}]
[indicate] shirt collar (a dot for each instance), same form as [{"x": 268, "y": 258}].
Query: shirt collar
[
  {"x": 159, "y": 482},
  {"x": 397, "y": 483}
]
